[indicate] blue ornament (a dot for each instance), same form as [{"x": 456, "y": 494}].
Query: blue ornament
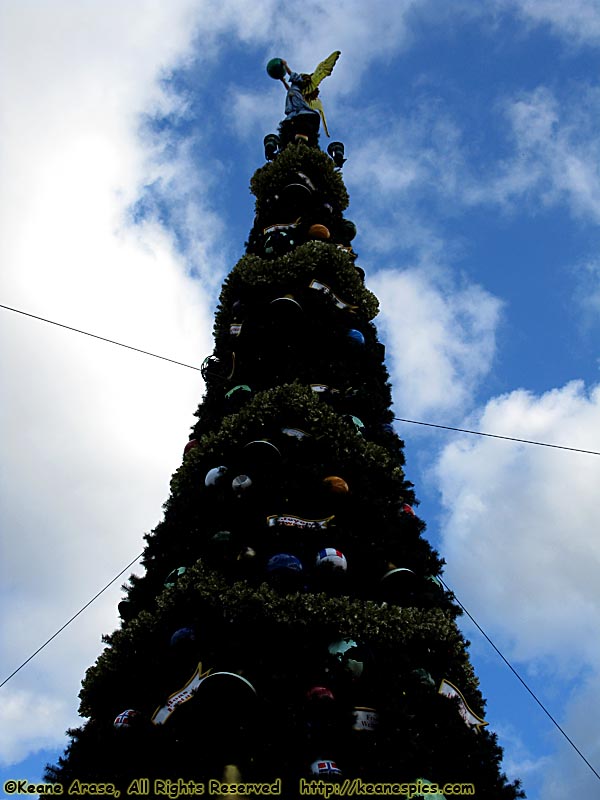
[
  {"x": 284, "y": 564},
  {"x": 182, "y": 637},
  {"x": 215, "y": 476},
  {"x": 356, "y": 336}
]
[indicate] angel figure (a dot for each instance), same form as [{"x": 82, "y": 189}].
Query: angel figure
[{"x": 303, "y": 92}]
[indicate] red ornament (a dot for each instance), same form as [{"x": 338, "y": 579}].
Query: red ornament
[{"x": 190, "y": 446}]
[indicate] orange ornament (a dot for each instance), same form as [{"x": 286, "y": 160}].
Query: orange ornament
[
  {"x": 336, "y": 484},
  {"x": 318, "y": 231}
]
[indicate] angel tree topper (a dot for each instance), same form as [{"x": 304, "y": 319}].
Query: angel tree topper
[{"x": 303, "y": 94}]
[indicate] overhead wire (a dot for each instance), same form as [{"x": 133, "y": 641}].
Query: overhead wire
[
  {"x": 95, "y": 336},
  {"x": 516, "y": 674},
  {"x": 498, "y": 436},
  {"x": 68, "y": 622},
  {"x": 398, "y": 419}
]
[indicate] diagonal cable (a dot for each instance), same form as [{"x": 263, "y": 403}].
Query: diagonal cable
[
  {"x": 102, "y": 338},
  {"x": 516, "y": 674},
  {"x": 68, "y": 622},
  {"x": 497, "y": 436}
]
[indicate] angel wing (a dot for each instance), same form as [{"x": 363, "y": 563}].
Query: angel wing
[
  {"x": 322, "y": 70},
  {"x": 310, "y": 91}
]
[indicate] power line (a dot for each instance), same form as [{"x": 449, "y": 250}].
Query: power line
[
  {"x": 61, "y": 629},
  {"x": 397, "y": 419},
  {"x": 102, "y": 338},
  {"x": 514, "y": 671},
  {"x": 497, "y": 436}
]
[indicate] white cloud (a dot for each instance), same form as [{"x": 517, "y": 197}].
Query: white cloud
[
  {"x": 555, "y": 154},
  {"x": 91, "y": 432},
  {"x": 518, "y": 530},
  {"x": 519, "y": 524},
  {"x": 16, "y": 713},
  {"x": 440, "y": 339},
  {"x": 587, "y": 294},
  {"x": 567, "y": 774},
  {"x": 578, "y": 21}
]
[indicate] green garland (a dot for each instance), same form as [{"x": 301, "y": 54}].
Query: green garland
[{"x": 313, "y": 162}]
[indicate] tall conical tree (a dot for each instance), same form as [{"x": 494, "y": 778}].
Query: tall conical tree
[{"x": 291, "y": 624}]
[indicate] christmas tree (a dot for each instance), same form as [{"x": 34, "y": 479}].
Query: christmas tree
[{"x": 291, "y": 634}]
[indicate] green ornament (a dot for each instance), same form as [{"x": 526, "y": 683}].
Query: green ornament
[
  {"x": 173, "y": 577},
  {"x": 276, "y": 69}
]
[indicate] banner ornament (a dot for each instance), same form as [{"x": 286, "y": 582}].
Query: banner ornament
[
  {"x": 162, "y": 713},
  {"x": 290, "y": 521},
  {"x": 322, "y": 287},
  {"x": 471, "y": 719},
  {"x": 228, "y": 682}
]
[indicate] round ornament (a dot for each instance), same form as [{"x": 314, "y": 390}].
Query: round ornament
[
  {"x": 280, "y": 242},
  {"x": 359, "y": 425},
  {"x": 126, "y": 611},
  {"x": 236, "y": 397},
  {"x": 433, "y": 579},
  {"x": 240, "y": 484},
  {"x": 318, "y": 231},
  {"x": 127, "y": 719},
  {"x": 220, "y": 545},
  {"x": 286, "y": 305},
  {"x": 424, "y": 678},
  {"x": 406, "y": 509},
  {"x": 327, "y": 210},
  {"x": 238, "y": 310},
  {"x": 246, "y": 555},
  {"x": 263, "y": 451},
  {"x": 336, "y": 485},
  {"x": 330, "y": 559},
  {"x": 173, "y": 577},
  {"x": 325, "y": 767},
  {"x": 348, "y": 654},
  {"x": 296, "y": 433},
  {"x": 213, "y": 367},
  {"x": 398, "y": 584},
  {"x": 276, "y": 68},
  {"x": 215, "y": 476},
  {"x": 347, "y": 231},
  {"x": 356, "y": 336},
  {"x": 296, "y": 196},
  {"x": 283, "y": 564},
  {"x": 193, "y": 443},
  {"x": 183, "y": 637},
  {"x": 224, "y": 698},
  {"x": 320, "y": 694}
]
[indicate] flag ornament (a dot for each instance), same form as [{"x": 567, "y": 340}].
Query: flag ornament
[
  {"x": 471, "y": 719},
  {"x": 325, "y": 767}
]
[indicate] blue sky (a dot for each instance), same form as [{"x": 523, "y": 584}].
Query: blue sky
[{"x": 130, "y": 132}]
